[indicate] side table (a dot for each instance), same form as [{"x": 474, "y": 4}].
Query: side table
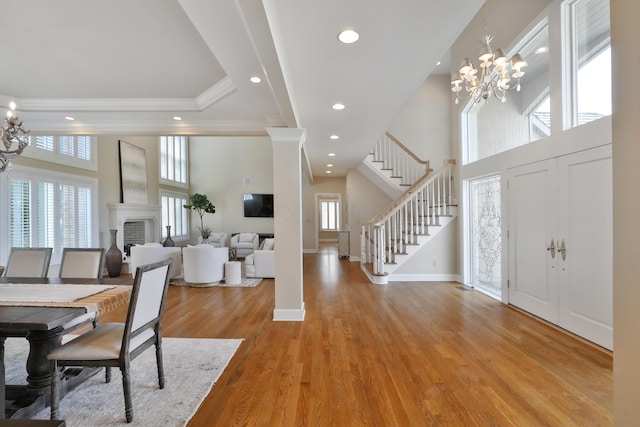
[{"x": 233, "y": 273}]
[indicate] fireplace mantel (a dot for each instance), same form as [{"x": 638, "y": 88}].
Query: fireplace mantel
[{"x": 151, "y": 215}]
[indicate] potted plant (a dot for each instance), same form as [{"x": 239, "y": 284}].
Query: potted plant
[{"x": 201, "y": 204}]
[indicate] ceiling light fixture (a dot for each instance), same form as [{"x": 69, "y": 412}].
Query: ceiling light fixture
[
  {"x": 69, "y": 118},
  {"x": 334, "y": 137},
  {"x": 332, "y": 154},
  {"x": 328, "y": 171},
  {"x": 255, "y": 79},
  {"x": 494, "y": 74},
  {"x": 338, "y": 106},
  {"x": 348, "y": 36},
  {"x": 177, "y": 118},
  {"x": 14, "y": 138},
  {"x": 329, "y": 165}
]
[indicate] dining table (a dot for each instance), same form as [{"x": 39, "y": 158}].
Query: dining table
[{"x": 37, "y": 313}]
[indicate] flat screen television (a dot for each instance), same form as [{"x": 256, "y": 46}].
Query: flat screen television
[{"x": 258, "y": 205}]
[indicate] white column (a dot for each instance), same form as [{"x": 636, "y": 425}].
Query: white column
[
  {"x": 625, "y": 59},
  {"x": 287, "y": 190}
]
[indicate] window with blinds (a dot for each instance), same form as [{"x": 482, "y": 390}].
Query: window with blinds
[
  {"x": 330, "y": 215},
  {"x": 52, "y": 211},
  {"x": 72, "y": 150},
  {"x": 175, "y": 215},
  {"x": 173, "y": 160}
]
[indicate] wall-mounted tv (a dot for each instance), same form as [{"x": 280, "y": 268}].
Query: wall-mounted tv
[{"x": 258, "y": 205}]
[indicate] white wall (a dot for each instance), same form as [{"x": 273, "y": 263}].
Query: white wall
[{"x": 439, "y": 257}]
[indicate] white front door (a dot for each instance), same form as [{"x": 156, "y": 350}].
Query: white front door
[
  {"x": 564, "y": 203},
  {"x": 532, "y": 225},
  {"x": 585, "y": 195}
]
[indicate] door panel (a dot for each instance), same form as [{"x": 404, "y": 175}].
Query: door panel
[
  {"x": 586, "y": 224},
  {"x": 532, "y": 223}
]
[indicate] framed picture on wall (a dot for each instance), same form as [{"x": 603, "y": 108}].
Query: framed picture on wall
[{"x": 133, "y": 174}]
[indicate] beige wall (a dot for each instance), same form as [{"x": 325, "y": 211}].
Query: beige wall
[
  {"x": 219, "y": 167},
  {"x": 311, "y": 232},
  {"x": 364, "y": 201}
]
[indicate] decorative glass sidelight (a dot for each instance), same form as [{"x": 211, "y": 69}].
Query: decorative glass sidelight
[{"x": 485, "y": 234}]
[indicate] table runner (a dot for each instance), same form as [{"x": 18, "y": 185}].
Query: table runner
[{"x": 101, "y": 302}]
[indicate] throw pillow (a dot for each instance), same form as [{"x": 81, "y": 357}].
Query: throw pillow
[
  {"x": 267, "y": 244},
  {"x": 153, "y": 244},
  {"x": 246, "y": 237}
]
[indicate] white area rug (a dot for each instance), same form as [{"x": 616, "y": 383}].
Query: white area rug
[
  {"x": 247, "y": 282},
  {"x": 191, "y": 367}
]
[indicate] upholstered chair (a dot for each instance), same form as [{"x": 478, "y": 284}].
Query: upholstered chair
[
  {"x": 154, "y": 252},
  {"x": 204, "y": 264},
  {"x": 245, "y": 243},
  {"x": 219, "y": 239},
  {"x": 261, "y": 263}
]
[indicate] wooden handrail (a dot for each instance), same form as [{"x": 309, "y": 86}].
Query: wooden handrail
[{"x": 406, "y": 150}]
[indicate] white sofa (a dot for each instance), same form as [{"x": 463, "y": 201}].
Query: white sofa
[
  {"x": 204, "y": 264},
  {"x": 261, "y": 263},
  {"x": 154, "y": 252},
  {"x": 245, "y": 243}
]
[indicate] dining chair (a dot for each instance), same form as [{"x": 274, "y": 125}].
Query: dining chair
[
  {"x": 116, "y": 344},
  {"x": 81, "y": 263},
  {"x": 28, "y": 262}
]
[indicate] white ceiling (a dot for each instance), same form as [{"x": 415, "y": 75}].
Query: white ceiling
[{"x": 127, "y": 67}]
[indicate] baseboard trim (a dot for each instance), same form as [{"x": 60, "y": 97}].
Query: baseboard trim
[
  {"x": 423, "y": 277},
  {"x": 288, "y": 315}
]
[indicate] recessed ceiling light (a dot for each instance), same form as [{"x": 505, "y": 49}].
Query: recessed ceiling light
[
  {"x": 329, "y": 165},
  {"x": 328, "y": 172},
  {"x": 541, "y": 50},
  {"x": 255, "y": 79},
  {"x": 438, "y": 63},
  {"x": 177, "y": 118},
  {"x": 332, "y": 154},
  {"x": 69, "y": 118},
  {"x": 334, "y": 137},
  {"x": 348, "y": 36},
  {"x": 338, "y": 106}
]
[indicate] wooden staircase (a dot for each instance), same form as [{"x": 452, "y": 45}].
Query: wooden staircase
[{"x": 413, "y": 218}]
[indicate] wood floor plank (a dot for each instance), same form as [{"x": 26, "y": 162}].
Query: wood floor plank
[{"x": 405, "y": 354}]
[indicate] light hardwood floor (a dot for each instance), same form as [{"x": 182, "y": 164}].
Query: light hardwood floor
[{"x": 406, "y": 354}]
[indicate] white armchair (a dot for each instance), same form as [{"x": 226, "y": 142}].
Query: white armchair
[
  {"x": 204, "y": 264},
  {"x": 261, "y": 263},
  {"x": 217, "y": 240},
  {"x": 245, "y": 243},
  {"x": 154, "y": 252}
]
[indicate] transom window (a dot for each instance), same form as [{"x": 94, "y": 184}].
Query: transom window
[
  {"x": 173, "y": 160},
  {"x": 73, "y": 150}
]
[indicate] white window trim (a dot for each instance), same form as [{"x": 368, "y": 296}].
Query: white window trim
[
  {"x": 39, "y": 174},
  {"x": 173, "y": 183},
  {"x": 55, "y": 157},
  {"x": 174, "y": 237}
]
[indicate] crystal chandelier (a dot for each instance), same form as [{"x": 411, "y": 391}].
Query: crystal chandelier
[
  {"x": 494, "y": 73},
  {"x": 14, "y": 138}
]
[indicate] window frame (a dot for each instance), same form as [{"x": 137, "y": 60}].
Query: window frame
[
  {"x": 180, "y": 166},
  {"x": 184, "y": 213},
  {"x": 55, "y": 155},
  {"x": 334, "y": 205},
  {"x": 57, "y": 178}
]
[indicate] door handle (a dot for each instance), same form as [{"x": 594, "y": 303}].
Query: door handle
[
  {"x": 563, "y": 250},
  {"x": 552, "y": 249}
]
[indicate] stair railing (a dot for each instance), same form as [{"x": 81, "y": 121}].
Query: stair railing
[
  {"x": 407, "y": 217},
  {"x": 399, "y": 160}
]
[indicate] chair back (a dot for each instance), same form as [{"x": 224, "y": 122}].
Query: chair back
[
  {"x": 81, "y": 263},
  {"x": 147, "y": 301},
  {"x": 28, "y": 262}
]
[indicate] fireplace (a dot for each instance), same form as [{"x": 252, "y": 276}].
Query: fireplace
[{"x": 143, "y": 223}]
